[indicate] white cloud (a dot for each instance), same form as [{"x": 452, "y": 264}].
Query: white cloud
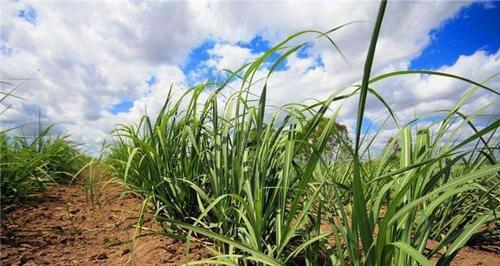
[
  {"x": 227, "y": 56},
  {"x": 83, "y": 57}
]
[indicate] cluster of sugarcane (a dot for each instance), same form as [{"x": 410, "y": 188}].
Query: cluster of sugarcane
[{"x": 256, "y": 182}]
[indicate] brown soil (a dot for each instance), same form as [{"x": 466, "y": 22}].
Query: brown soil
[
  {"x": 60, "y": 228},
  {"x": 469, "y": 256}
]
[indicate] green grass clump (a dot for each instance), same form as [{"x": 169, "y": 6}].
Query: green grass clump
[
  {"x": 28, "y": 164},
  {"x": 287, "y": 186}
]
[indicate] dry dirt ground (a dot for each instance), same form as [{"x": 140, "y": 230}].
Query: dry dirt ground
[
  {"x": 469, "y": 256},
  {"x": 61, "y": 228}
]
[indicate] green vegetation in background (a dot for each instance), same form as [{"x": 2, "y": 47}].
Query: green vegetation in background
[{"x": 29, "y": 164}]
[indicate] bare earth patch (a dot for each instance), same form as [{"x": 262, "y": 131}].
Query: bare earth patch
[
  {"x": 60, "y": 228},
  {"x": 469, "y": 256}
]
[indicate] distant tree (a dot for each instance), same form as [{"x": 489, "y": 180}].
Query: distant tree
[
  {"x": 337, "y": 147},
  {"x": 338, "y": 144}
]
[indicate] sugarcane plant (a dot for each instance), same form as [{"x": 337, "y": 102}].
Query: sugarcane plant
[{"x": 262, "y": 185}]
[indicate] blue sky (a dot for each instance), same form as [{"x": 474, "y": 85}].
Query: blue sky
[
  {"x": 196, "y": 60},
  {"x": 90, "y": 65},
  {"x": 121, "y": 107},
  {"x": 28, "y": 14},
  {"x": 476, "y": 27}
]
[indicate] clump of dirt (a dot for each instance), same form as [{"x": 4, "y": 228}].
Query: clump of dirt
[{"x": 61, "y": 228}]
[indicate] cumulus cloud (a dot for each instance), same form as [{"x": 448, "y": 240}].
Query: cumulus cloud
[
  {"x": 226, "y": 56},
  {"x": 75, "y": 60}
]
